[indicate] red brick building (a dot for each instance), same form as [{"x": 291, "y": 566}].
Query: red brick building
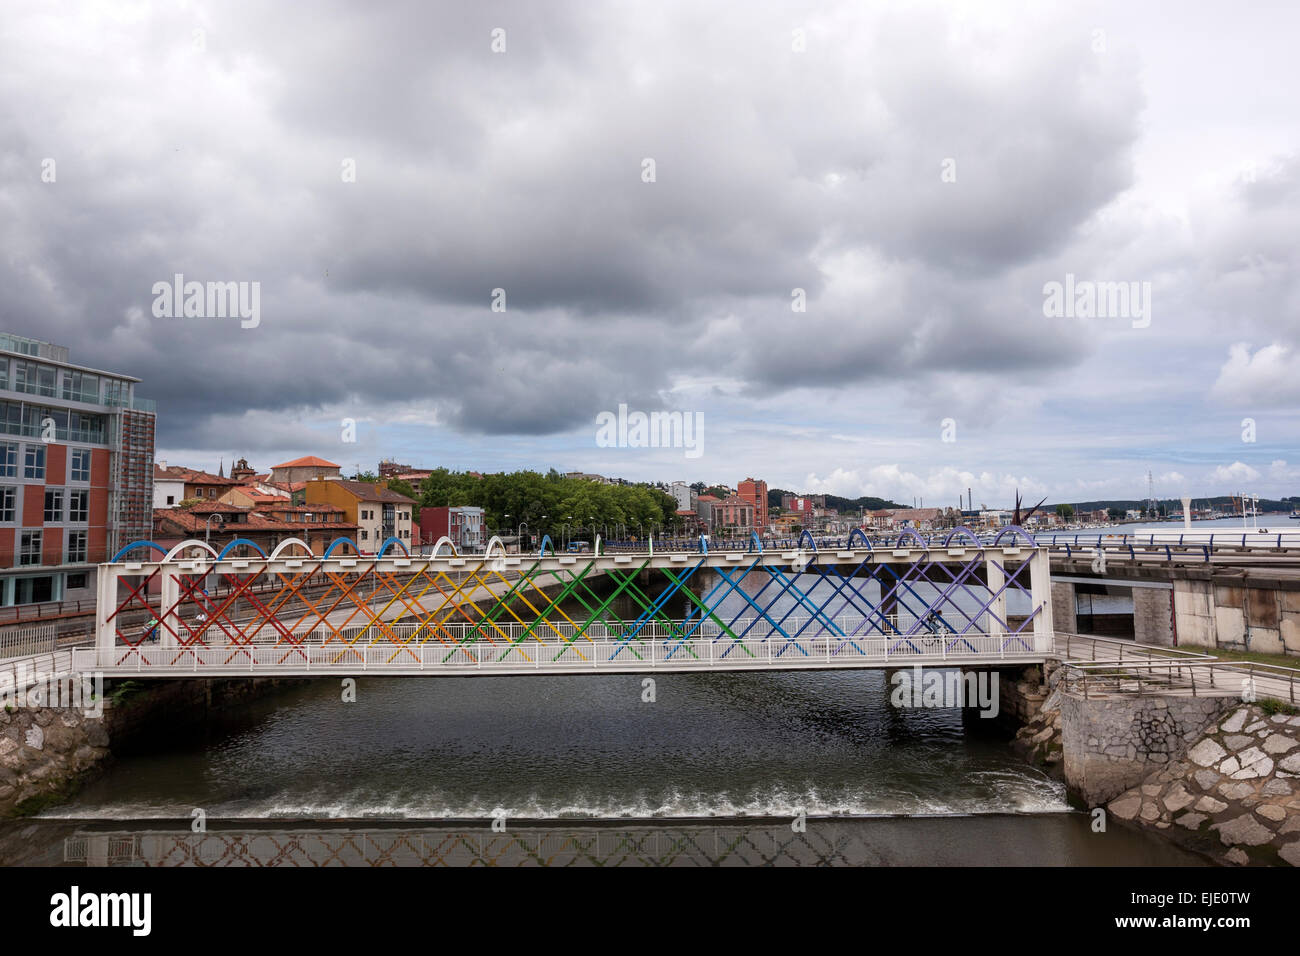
[{"x": 755, "y": 492}]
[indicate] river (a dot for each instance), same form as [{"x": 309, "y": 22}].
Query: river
[{"x": 730, "y": 753}]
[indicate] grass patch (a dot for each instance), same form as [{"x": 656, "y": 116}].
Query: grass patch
[
  {"x": 1282, "y": 660},
  {"x": 1271, "y": 706}
]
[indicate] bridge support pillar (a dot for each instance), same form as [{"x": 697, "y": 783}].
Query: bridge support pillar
[
  {"x": 997, "y": 612},
  {"x": 106, "y": 602},
  {"x": 1040, "y": 595},
  {"x": 1153, "y": 616},
  {"x": 1065, "y": 606},
  {"x": 169, "y": 599}
]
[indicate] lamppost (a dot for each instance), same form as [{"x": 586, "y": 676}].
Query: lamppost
[
  {"x": 207, "y": 534},
  {"x": 519, "y": 536}
]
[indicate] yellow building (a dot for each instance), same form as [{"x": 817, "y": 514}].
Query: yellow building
[{"x": 378, "y": 513}]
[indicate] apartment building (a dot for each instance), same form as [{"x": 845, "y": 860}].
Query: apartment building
[
  {"x": 754, "y": 491},
  {"x": 76, "y": 471},
  {"x": 378, "y": 513}
]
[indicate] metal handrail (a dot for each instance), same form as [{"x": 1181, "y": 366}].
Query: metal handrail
[{"x": 1091, "y": 673}]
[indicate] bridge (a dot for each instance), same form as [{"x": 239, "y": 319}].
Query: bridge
[{"x": 295, "y": 613}]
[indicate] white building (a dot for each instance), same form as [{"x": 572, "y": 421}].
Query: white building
[
  {"x": 681, "y": 491},
  {"x": 168, "y": 490}
]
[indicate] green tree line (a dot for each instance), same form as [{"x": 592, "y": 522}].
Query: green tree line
[{"x": 548, "y": 503}]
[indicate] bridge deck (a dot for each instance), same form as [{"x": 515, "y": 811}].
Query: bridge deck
[{"x": 825, "y": 651}]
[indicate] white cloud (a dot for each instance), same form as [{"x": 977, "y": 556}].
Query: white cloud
[
  {"x": 1238, "y": 471},
  {"x": 1266, "y": 379}
]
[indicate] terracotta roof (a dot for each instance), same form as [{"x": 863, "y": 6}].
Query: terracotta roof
[
  {"x": 191, "y": 476},
  {"x": 286, "y": 486},
  {"x": 310, "y": 461},
  {"x": 365, "y": 491},
  {"x": 195, "y": 521}
]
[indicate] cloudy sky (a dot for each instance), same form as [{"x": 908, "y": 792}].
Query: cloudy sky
[{"x": 920, "y": 171}]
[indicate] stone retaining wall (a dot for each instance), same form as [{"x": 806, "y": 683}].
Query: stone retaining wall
[
  {"x": 1113, "y": 743},
  {"x": 1237, "y": 787}
]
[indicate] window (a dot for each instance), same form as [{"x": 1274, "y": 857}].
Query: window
[
  {"x": 34, "y": 378},
  {"x": 53, "y": 505},
  {"x": 8, "y": 459},
  {"x": 364, "y": 534},
  {"x": 34, "y": 462},
  {"x": 4, "y": 373},
  {"x": 78, "y": 505},
  {"x": 81, "y": 387},
  {"x": 80, "y": 464},
  {"x": 171, "y": 499},
  {"x": 76, "y": 581},
  {"x": 76, "y": 547},
  {"x": 8, "y": 498},
  {"x": 30, "y": 548}
]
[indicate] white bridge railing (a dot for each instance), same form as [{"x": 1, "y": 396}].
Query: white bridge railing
[{"x": 433, "y": 657}]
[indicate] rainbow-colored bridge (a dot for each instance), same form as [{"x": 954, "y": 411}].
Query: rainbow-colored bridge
[{"x": 193, "y": 611}]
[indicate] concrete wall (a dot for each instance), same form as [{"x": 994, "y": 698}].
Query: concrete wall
[
  {"x": 1237, "y": 615},
  {"x": 1114, "y": 743},
  {"x": 1064, "y": 607},
  {"x": 1153, "y": 616}
]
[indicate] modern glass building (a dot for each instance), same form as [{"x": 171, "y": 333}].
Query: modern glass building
[{"x": 76, "y": 471}]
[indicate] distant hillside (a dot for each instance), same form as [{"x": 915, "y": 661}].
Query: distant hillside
[
  {"x": 1220, "y": 503},
  {"x": 835, "y": 501}
]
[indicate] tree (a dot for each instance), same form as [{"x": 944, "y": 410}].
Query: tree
[
  {"x": 1115, "y": 514},
  {"x": 1065, "y": 511}
]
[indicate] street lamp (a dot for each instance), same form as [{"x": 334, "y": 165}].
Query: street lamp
[
  {"x": 519, "y": 536},
  {"x": 207, "y": 534}
]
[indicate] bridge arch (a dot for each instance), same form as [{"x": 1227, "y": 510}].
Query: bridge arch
[
  {"x": 252, "y": 544},
  {"x": 863, "y": 535},
  {"x": 191, "y": 543},
  {"x": 1015, "y": 529},
  {"x": 755, "y": 542},
  {"x": 287, "y": 542},
  {"x": 546, "y": 539},
  {"x": 812, "y": 543},
  {"x": 437, "y": 547},
  {"x": 963, "y": 530},
  {"x": 494, "y": 540},
  {"x": 338, "y": 541},
  {"x": 394, "y": 541},
  {"x": 911, "y": 532},
  {"x": 145, "y": 544}
]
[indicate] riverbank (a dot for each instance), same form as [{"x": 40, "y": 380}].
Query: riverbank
[{"x": 49, "y": 754}]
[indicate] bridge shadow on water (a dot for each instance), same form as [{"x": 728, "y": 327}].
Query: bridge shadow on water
[{"x": 968, "y": 841}]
